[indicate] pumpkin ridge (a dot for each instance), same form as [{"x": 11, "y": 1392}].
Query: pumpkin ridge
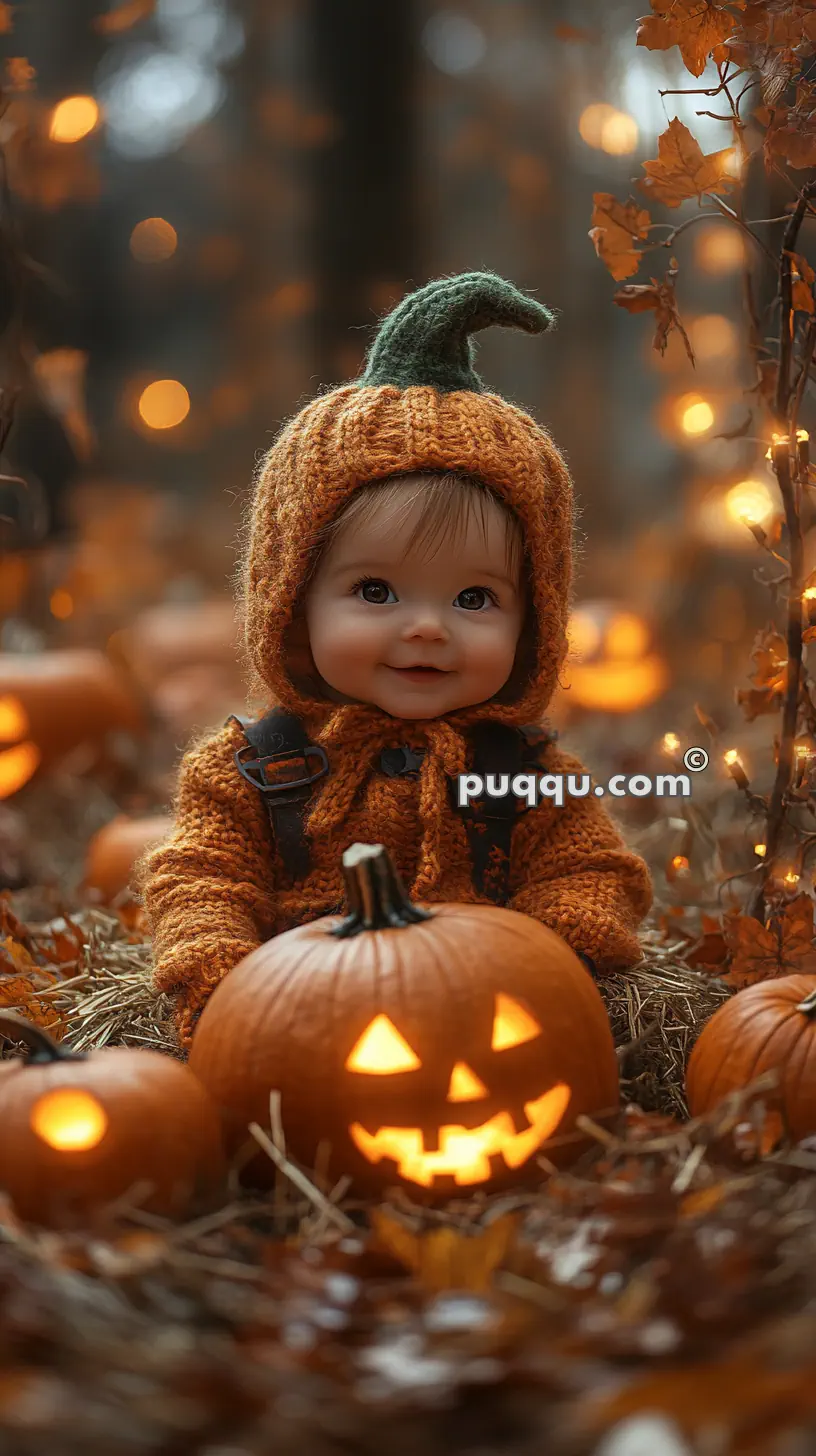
[
  {"x": 804, "y": 1046},
  {"x": 748, "y": 1070},
  {"x": 734, "y": 1050}
]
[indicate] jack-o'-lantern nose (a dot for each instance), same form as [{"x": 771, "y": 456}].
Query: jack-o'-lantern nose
[{"x": 465, "y": 1085}]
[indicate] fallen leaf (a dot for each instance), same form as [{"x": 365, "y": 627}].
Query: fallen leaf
[
  {"x": 641, "y": 297},
  {"x": 681, "y": 170},
  {"x": 446, "y": 1258},
  {"x": 616, "y": 226},
  {"x": 697, "y": 27}
]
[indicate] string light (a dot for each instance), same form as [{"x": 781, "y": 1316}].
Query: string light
[
  {"x": 670, "y": 743},
  {"x": 73, "y": 119},
  {"x": 680, "y": 864},
  {"x": 164, "y": 404},
  {"x": 760, "y": 850},
  {"x": 735, "y": 768}
]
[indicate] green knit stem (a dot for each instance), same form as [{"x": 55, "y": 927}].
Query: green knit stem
[{"x": 426, "y": 338}]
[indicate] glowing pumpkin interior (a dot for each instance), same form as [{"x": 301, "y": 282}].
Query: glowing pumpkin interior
[
  {"x": 463, "y": 1153},
  {"x": 69, "y": 1120},
  {"x": 19, "y": 761}
]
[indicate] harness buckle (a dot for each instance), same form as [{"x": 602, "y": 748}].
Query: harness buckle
[{"x": 246, "y": 765}]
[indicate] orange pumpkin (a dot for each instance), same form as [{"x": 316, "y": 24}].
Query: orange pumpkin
[
  {"x": 769, "y": 1025},
  {"x": 80, "y": 1130},
  {"x": 51, "y": 702},
  {"x": 441, "y": 1047},
  {"x": 114, "y": 850}
]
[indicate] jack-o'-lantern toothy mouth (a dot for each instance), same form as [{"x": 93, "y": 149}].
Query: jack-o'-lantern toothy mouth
[{"x": 464, "y": 1153}]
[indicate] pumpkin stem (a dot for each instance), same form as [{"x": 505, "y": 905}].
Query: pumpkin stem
[
  {"x": 41, "y": 1047},
  {"x": 426, "y": 338},
  {"x": 808, "y": 1005},
  {"x": 376, "y": 895}
]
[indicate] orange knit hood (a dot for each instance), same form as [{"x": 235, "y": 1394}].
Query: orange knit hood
[{"x": 419, "y": 405}]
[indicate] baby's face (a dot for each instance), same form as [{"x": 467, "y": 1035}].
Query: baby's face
[{"x": 417, "y": 638}]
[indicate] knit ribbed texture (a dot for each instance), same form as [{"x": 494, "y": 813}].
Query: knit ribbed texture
[{"x": 217, "y": 888}]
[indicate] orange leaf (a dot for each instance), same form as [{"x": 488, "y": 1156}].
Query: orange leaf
[
  {"x": 615, "y": 228},
  {"x": 6, "y": 22},
  {"x": 697, "y": 27},
  {"x": 760, "y": 952},
  {"x": 803, "y": 280},
  {"x": 447, "y": 1258},
  {"x": 640, "y": 297},
  {"x": 681, "y": 170},
  {"x": 20, "y": 74},
  {"x": 124, "y": 17}
]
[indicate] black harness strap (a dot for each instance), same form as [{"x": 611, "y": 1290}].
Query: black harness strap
[{"x": 280, "y": 745}]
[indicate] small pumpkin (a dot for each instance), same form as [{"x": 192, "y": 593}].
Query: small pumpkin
[
  {"x": 770, "y": 1025},
  {"x": 80, "y": 1130},
  {"x": 112, "y": 853},
  {"x": 440, "y": 1047},
  {"x": 51, "y": 702}
]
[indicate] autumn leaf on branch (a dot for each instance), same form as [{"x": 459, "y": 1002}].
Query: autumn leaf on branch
[
  {"x": 697, "y": 27},
  {"x": 760, "y": 952},
  {"x": 803, "y": 280},
  {"x": 616, "y": 227},
  {"x": 791, "y": 130},
  {"x": 641, "y": 297},
  {"x": 681, "y": 170},
  {"x": 769, "y": 675}
]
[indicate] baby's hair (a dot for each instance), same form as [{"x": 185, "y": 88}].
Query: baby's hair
[{"x": 448, "y": 499}]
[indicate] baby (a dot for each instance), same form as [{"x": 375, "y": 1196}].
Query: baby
[{"x": 404, "y": 585}]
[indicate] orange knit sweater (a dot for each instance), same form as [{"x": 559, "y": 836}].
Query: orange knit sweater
[{"x": 218, "y": 887}]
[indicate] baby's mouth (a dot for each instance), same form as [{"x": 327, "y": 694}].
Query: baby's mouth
[{"x": 421, "y": 671}]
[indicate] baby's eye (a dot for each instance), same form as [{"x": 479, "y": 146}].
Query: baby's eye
[
  {"x": 371, "y": 589},
  {"x": 475, "y": 598}
]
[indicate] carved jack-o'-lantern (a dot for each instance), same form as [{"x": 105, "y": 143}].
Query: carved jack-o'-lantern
[
  {"x": 441, "y": 1047},
  {"x": 613, "y": 665}
]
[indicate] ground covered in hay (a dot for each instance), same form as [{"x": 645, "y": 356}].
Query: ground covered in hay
[{"x": 657, "y": 1299}]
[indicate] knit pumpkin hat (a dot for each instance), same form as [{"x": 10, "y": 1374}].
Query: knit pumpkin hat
[{"x": 418, "y": 406}]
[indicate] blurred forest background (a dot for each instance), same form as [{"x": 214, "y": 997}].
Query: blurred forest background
[{"x": 221, "y": 197}]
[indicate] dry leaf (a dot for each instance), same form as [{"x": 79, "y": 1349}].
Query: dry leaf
[
  {"x": 20, "y": 74},
  {"x": 447, "y": 1258},
  {"x": 615, "y": 228},
  {"x": 681, "y": 170},
  {"x": 641, "y": 297},
  {"x": 803, "y": 280},
  {"x": 124, "y": 17},
  {"x": 760, "y": 952},
  {"x": 697, "y": 27}
]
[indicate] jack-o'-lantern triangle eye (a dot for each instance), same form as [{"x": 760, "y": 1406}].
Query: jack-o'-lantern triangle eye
[
  {"x": 512, "y": 1024},
  {"x": 381, "y": 1049}
]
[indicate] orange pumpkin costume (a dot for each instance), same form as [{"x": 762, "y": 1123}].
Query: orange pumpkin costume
[{"x": 219, "y": 887}]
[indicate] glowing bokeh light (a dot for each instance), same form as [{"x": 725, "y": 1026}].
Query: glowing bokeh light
[
  {"x": 695, "y": 414},
  {"x": 720, "y": 248},
  {"x": 153, "y": 240},
  {"x": 164, "y": 404},
  {"x": 713, "y": 336},
  {"x": 592, "y": 120},
  {"x": 73, "y": 119},
  {"x": 619, "y": 134},
  {"x": 749, "y": 502}
]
